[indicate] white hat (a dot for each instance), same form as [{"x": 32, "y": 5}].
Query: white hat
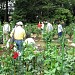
[{"x": 19, "y": 23}]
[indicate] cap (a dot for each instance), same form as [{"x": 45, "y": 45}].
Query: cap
[{"x": 19, "y": 23}]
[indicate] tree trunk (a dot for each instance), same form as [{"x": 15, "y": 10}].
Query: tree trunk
[{"x": 6, "y": 13}]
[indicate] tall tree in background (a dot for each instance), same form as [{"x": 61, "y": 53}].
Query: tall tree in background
[
  {"x": 34, "y": 10},
  {"x": 6, "y": 14},
  {"x": 6, "y": 10},
  {"x": 31, "y": 10}
]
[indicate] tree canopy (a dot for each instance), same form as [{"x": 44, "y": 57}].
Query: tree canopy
[
  {"x": 34, "y": 10},
  {"x": 2, "y": 1}
]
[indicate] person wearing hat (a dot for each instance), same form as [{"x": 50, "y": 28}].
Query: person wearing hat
[{"x": 19, "y": 35}]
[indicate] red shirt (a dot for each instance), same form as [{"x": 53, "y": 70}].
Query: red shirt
[{"x": 39, "y": 25}]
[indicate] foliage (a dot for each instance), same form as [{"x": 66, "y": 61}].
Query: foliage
[
  {"x": 2, "y": 1},
  {"x": 1, "y": 12},
  {"x": 33, "y": 11},
  {"x": 70, "y": 29},
  {"x": 53, "y": 60},
  {"x": 48, "y": 36},
  {"x": 1, "y": 34},
  {"x": 63, "y": 14}
]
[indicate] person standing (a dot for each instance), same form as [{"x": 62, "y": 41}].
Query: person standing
[
  {"x": 6, "y": 30},
  {"x": 49, "y": 27},
  {"x": 60, "y": 30},
  {"x": 19, "y": 35},
  {"x": 42, "y": 27},
  {"x": 39, "y": 25}
]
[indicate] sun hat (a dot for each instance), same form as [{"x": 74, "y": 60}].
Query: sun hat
[{"x": 19, "y": 23}]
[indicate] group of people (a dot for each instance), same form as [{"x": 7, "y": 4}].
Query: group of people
[
  {"x": 49, "y": 27},
  {"x": 41, "y": 26},
  {"x": 20, "y": 36}
]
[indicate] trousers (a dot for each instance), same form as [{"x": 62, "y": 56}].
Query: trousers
[{"x": 19, "y": 44}]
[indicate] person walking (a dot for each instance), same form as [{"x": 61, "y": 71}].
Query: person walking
[
  {"x": 49, "y": 27},
  {"x": 60, "y": 30},
  {"x": 19, "y": 35},
  {"x": 6, "y": 31},
  {"x": 42, "y": 27},
  {"x": 39, "y": 25}
]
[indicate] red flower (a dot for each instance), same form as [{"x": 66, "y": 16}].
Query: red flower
[{"x": 15, "y": 55}]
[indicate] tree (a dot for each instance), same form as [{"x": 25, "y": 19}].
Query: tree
[
  {"x": 30, "y": 9},
  {"x": 34, "y": 10},
  {"x": 63, "y": 14},
  {"x": 6, "y": 11}
]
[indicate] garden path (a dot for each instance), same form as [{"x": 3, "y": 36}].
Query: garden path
[
  {"x": 41, "y": 44},
  {"x": 40, "y": 41}
]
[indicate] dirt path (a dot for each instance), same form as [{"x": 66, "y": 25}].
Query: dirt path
[{"x": 40, "y": 42}]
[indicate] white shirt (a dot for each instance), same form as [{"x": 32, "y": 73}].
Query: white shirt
[
  {"x": 42, "y": 26},
  {"x": 6, "y": 28},
  {"x": 60, "y": 29},
  {"x": 29, "y": 41},
  {"x": 49, "y": 27}
]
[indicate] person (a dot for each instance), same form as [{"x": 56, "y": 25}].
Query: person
[
  {"x": 19, "y": 35},
  {"x": 12, "y": 34},
  {"x": 9, "y": 45},
  {"x": 39, "y": 25},
  {"x": 60, "y": 30},
  {"x": 6, "y": 31},
  {"x": 29, "y": 40},
  {"x": 11, "y": 39},
  {"x": 42, "y": 27},
  {"x": 49, "y": 27}
]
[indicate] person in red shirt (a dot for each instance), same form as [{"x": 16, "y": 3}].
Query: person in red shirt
[{"x": 39, "y": 25}]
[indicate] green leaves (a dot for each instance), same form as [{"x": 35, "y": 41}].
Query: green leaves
[{"x": 63, "y": 14}]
